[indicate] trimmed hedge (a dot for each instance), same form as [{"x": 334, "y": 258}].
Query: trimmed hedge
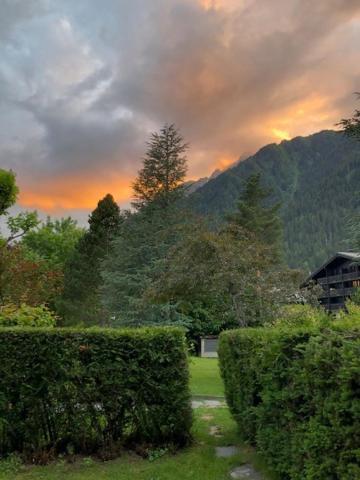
[
  {"x": 295, "y": 395},
  {"x": 87, "y": 391}
]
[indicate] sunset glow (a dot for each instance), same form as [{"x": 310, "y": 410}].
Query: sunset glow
[
  {"x": 211, "y": 4},
  {"x": 82, "y": 88},
  {"x": 281, "y": 134},
  {"x": 75, "y": 193}
]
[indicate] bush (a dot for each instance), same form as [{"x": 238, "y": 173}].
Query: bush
[
  {"x": 297, "y": 315},
  {"x": 295, "y": 396},
  {"x": 76, "y": 391},
  {"x": 26, "y": 316}
]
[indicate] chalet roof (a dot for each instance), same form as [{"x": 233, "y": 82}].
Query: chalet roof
[{"x": 354, "y": 256}]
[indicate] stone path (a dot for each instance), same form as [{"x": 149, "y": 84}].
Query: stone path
[
  {"x": 245, "y": 472},
  {"x": 208, "y": 402},
  {"x": 226, "y": 452}
]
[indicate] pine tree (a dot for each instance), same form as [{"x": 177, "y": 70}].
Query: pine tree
[
  {"x": 253, "y": 218},
  {"x": 163, "y": 170},
  {"x": 80, "y": 303},
  {"x": 146, "y": 236}
]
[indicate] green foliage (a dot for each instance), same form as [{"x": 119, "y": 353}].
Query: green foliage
[
  {"x": 53, "y": 241},
  {"x": 355, "y": 297},
  {"x": 10, "y": 465},
  {"x": 137, "y": 260},
  {"x": 80, "y": 303},
  {"x": 213, "y": 281},
  {"x": 254, "y": 217},
  {"x": 217, "y": 280},
  {"x": 298, "y": 315},
  {"x": 26, "y": 316},
  {"x": 8, "y": 190},
  {"x": 21, "y": 224},
  {"x": 294, "y": 394},
  {"x": 164, "y": 169},
  {"x": 316, "y": 179},
  {"x": 26, "y": 281},
  {"x": 353, "y": 228},
  {"x": 87, "y": 391}
]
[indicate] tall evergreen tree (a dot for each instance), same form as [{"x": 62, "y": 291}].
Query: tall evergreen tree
[
  {"x": 164, "y": 169},
  {"x": 146, "y": 236},
  {"x": 80, "y": 303},
  {"x": 255, "y": 218}
]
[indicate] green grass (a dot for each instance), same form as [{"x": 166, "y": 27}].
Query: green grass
[
  {"x": 194, "y": 463},
  {"x": 205, "y": 377}
]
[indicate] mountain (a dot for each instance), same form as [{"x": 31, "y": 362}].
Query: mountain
[
  {"x": 316, "y": 179},
  {"x": 193, "y": 185}
]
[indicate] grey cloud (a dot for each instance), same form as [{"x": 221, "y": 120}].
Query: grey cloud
[{"x": 94, "y": 81}]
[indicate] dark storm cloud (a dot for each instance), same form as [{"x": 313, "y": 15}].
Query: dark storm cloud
[{"x": 82, "y": 86}]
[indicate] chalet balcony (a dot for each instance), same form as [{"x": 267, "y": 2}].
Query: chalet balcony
[
  {"x": 342, "y": 277},
  {"x": 339, "y": 292},
  {"x": 334, "y": 307}
]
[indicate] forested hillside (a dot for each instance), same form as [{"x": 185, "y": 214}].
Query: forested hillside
[{"x": 317, "y": 181}]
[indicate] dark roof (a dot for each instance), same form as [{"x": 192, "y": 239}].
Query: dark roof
[{"x": 354, "y": 256}]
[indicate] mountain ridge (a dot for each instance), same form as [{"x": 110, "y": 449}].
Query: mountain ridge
[{"x": 316, "y": 180}]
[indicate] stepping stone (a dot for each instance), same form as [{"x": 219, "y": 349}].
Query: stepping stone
[
  {"x": 245, "y": 472},
  {"x": 226, "y": 452},
  {"x": 207, "y": 403},
  {"x": 207, "y": 418},
  {"x": 215, "y": 431}
]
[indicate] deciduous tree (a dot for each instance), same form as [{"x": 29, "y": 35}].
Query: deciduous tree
[{"x": 8, "y": 190}]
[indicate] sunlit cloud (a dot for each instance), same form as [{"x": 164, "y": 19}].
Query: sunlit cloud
[
  {"x": 71, "y": 193},
  {"x": 211, "y": 4},
  {"x": 281, "y": 134},
  {"x": 83, "y": 87}
]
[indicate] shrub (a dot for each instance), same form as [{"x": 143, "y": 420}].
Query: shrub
[
  {"x": 87, "y": 391},
  {"x": 297, "y": 315},
  {"x": 295, "y": 396},
  {"x": 26, "y": 316}
]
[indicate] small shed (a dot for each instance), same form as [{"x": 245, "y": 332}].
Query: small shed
[{"x": 209, "y": 346}]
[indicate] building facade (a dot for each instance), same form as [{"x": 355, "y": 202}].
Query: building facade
[{"x": 338, "y": 277}]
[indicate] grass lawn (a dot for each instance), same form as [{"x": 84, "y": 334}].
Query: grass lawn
[
  {"x": 205, "y": 377},
  {"x": 197, "y": 462}
]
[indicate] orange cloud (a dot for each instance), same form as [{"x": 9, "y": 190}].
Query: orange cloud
[
  {"x": 211, "y": 4},
  {"x": 74, "y": 193},
  {"x": 225, "y": 162}
]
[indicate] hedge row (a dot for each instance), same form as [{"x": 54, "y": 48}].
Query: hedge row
[
  {"x": 64, "y": 390},
  {"x": 296, "y": 396}
]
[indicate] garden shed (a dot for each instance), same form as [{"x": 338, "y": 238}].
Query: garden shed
[{"x": 209, "y": 346}]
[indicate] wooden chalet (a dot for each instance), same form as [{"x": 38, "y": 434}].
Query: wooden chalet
[{"x": 339, "y": 277}]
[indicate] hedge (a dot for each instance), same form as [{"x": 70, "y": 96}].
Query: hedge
[
  {"x": 295, "y": 395},
  {"x": 87, "y": 391}
]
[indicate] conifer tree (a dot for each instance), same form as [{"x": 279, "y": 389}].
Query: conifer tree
[
  {"x": 164, "y": 169},
  {"x": 80, "y": 303},
  {"x": 255, "y": 219},
  {"x": 146, "y": 236}
]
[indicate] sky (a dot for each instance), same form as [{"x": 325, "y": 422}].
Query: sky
[{"x": 83, "y": 83}]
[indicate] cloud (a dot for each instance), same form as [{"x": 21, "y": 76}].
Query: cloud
[{"x": 83, "y": 87}]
